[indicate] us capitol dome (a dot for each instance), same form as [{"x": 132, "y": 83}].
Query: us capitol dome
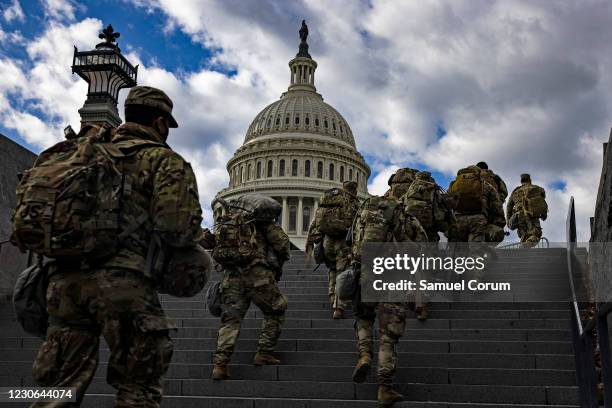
[{"x": 295, "y": 149}]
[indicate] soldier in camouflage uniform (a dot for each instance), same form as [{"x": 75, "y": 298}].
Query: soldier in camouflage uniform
[
  {"x": 117, "y": 297},
  {"x": 254, "y": 283},
  {"x": 495, "y": 232},
  {"x": 472, "y": 226},
  {"x": 529, "y": 228},
  {"x": 400, "y": 182},
  {"x": 335, "y": 249},
  {"x": 391, "y": 316}
]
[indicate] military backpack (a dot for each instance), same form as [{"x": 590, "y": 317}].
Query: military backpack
[
  {"x": 534, "y": 201},
  {"x": 69, "y": 203},
  {"x": 375, "y": 222},
  {"x": 337, "y": 210},
  {"x": 468, "y": 190},
  {"x": 236, "y": 241},
  {"x": 425, "y": 200}
]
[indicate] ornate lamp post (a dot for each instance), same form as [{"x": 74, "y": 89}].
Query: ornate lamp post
[{"x": 106, "y": 71}]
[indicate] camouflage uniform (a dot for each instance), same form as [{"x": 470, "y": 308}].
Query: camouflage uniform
[
  {"x": 336, "y": 250},
  {"x": 391, "y": 316},
  {"x": 255, "y": 283},
  {"x": 473, "y": 227},
  {"x": 117, "y": 298},
  {"x": 495, "y": 231},
  {"x": 529, "y": 228}
]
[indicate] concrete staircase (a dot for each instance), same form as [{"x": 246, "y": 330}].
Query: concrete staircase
[{"x": 465, "y": 355}]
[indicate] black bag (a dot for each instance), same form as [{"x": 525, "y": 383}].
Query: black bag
[
  {"x": 347, "y": 283},
  {"x": 213, "y": 299},
  {"x": 318, "y": 253},
  {"x": 30, "y": 300},
  {"x": 259, "y": 208}
]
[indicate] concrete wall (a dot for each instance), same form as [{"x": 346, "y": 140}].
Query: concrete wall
[{"x": 13, "y": 160}]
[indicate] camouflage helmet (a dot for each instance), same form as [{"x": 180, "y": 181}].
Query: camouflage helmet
[
  {"x": 404, "y": 175},
  {"x": 153, "y": 97},
  {"x": 187, "y": 272},
  {"x": 350, "y": 186},
  {"x": 424, "y": 175}
]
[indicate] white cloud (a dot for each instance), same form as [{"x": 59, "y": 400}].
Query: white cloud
[
  {"x": 60, "y": 9},
  {"x": 13, "y": 12}
]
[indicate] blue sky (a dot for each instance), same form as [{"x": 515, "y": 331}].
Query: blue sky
[{"x": 522, "y": 85}]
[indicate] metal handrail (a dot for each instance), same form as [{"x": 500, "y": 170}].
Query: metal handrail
[
  {"x": 582, "y": 341},
  {"x": 518, "y": 245},
  {"x": 571, "y": 246}
]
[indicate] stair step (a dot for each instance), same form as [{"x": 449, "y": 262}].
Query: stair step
[
  {"x": 107, "y": 401},
  {"x": 346, "y": 358}
]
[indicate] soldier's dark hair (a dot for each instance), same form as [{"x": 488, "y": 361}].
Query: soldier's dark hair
[
  {"x": 482, "y": 165},
  {"x": 143, "y": 115},
  {"x": 525, "y": 178}
]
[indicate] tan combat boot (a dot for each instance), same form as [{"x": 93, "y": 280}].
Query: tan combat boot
[
  {"x": 265, "y": 358},
  {"x": 362, "y": 368},
  {"x": 338, "y": 314},
  {"x": 220, "y": 372},
  {"x": 422, "y": 313},
  {"x": 387, "y": 396}
]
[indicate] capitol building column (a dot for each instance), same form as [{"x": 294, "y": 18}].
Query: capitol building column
[
  {"x": 300, "y": 215},
  {"x": 285, "y": 215}
]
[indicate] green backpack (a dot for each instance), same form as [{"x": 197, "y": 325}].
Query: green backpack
[
  {"x": 68, "y": 204},
  {"x": 374, "y": 222},
  {"x": 534, "y": 201},
  {"x": 420, "y": 198},
  {"x": 236, "y": 240},
  {"x": 467, "y": 191},
  {"x": 337, "y": 210}
]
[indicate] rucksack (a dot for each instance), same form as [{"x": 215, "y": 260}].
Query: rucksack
[
  {"x": 496, "y": 182},
  {"x": 68, "y": 204},
  {"x": 419, "y": 201},
  {"x": 236, "y": 231},
  {"x": 236, "y": 240},
  {"x": 258, "y": 207},
  {"x": 467, "y": 190},
  {"x": 534, "y": 201},
  {"x": 337, "y": 210},
  {"x": 30, "y": 300},
  {"x": 375, "y": 222}
]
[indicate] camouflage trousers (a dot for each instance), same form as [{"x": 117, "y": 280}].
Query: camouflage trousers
[
  {"x": 124, "y": 307},
  {"x": 337, "y": 253},
  {"x": 238, "y": 290},
  {"x": 391, "y": 326},
  {"x": 470, "y": 228},
  {"x": 529, "y": 230}
]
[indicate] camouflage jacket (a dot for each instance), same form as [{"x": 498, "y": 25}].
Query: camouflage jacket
[
  {"x": 496, "y": 182},
  {"x": 160, "y": 194},
  {"x": 273, "y": 248}
]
